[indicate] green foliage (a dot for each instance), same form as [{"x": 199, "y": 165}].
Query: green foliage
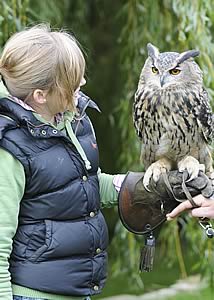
[
  {"x": 205, "y": 294},
  {"x": 13, "y": 16},
  {"x": 203, "y": 249},
  {"x": 48, "y": 11}
]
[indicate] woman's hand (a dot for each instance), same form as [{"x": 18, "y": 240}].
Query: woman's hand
[{"x": 205, "y": 209}]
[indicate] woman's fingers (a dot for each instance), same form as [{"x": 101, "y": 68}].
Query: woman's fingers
[
  {"x": 179, "y": 209},
  {"x": 199, "y": 200},
  {"x": 202, "y": 212}
]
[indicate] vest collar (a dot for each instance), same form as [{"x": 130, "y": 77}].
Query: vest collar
[
  {"x": 84, "y": 101},
  {"x": 23, "y": 116}
]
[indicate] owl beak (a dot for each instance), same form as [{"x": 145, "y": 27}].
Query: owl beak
[{"x": 162, "y": 80}]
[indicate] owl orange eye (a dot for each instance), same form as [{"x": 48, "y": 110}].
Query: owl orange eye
[
  {"x": 174, "y": 71},
  {"x": 155, "y": 70}
]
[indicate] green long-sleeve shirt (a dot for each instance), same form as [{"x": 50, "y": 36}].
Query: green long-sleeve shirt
[{"x": 12, "y": 185}]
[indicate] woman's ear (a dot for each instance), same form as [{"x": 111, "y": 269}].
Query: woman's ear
[{"x": 39, "y": 96}]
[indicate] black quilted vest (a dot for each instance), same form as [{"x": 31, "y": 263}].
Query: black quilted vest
[{"x": 60, "y": 244}]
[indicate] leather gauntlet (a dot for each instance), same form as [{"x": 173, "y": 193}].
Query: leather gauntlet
[{"x": 142, "y": 211}]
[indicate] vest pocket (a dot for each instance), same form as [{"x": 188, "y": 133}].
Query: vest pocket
[
  {"x": 44, "y": 236},
  {"x": 69, "y": 239}
]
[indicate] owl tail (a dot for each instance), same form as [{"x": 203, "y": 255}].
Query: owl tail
[{"x": 147, "y": 254}]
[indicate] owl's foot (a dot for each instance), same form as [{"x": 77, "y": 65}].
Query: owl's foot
[
  {"x": 155, "y": 170},
  {"x": 192, "y": 166},
  {"x": 211, "y": 176}
]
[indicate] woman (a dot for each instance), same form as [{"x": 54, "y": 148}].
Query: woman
[{"x": 53, "y": 236}]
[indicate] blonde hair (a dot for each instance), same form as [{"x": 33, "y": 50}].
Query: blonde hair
[{"x": 38, "y": 58}]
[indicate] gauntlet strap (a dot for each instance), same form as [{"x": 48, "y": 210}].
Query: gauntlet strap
[
  {"x": 184, "y": 187},
  {"x": 169, "y": 188},
  {"x": 187, "y": 193}
]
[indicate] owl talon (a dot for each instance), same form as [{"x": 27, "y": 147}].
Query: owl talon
[
  {"x": 211, "y": 177},
  {"x": 146, "y": 178},
  {"x": 147, "y": 189},
  {"x": 154, "y": 171},
  {"x": 202, "y": 168},
  {"x": 193, "y": 176},
  {"x": 192, "y": 166}
]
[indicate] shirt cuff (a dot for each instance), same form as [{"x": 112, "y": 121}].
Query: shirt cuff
[{"x": 118, "y": 180}]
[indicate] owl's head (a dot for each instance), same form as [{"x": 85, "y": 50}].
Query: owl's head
[{"x": 170, "y": 69}]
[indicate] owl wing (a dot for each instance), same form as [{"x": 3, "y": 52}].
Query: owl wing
[
  {"x": 205, "y": 117},
  {"x": 138, "y": 113}
]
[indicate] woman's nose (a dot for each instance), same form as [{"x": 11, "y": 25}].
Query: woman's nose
[{"x": 83, "y": 81}]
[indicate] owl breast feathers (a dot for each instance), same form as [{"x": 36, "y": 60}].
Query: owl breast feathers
[{"x": 172, "y": 114}]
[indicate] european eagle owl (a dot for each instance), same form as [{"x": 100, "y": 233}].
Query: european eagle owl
[{"x": 172, "y": 115}]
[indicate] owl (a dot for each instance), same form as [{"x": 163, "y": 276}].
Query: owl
[{"x": 172, "y": 115}]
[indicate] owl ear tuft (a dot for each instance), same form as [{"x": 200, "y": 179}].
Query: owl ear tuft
[
  {"x": 153, "y": 51},
  {"x": 186, "y": 55}
]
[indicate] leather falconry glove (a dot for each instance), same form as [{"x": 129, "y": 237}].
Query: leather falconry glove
[{"x": 142, "y": 211}]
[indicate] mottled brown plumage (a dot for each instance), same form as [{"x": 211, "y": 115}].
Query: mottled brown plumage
[{"x": 172, "y": 114}]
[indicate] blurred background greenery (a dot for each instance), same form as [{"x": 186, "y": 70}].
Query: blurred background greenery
[{"x": 113, "y": 35}]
